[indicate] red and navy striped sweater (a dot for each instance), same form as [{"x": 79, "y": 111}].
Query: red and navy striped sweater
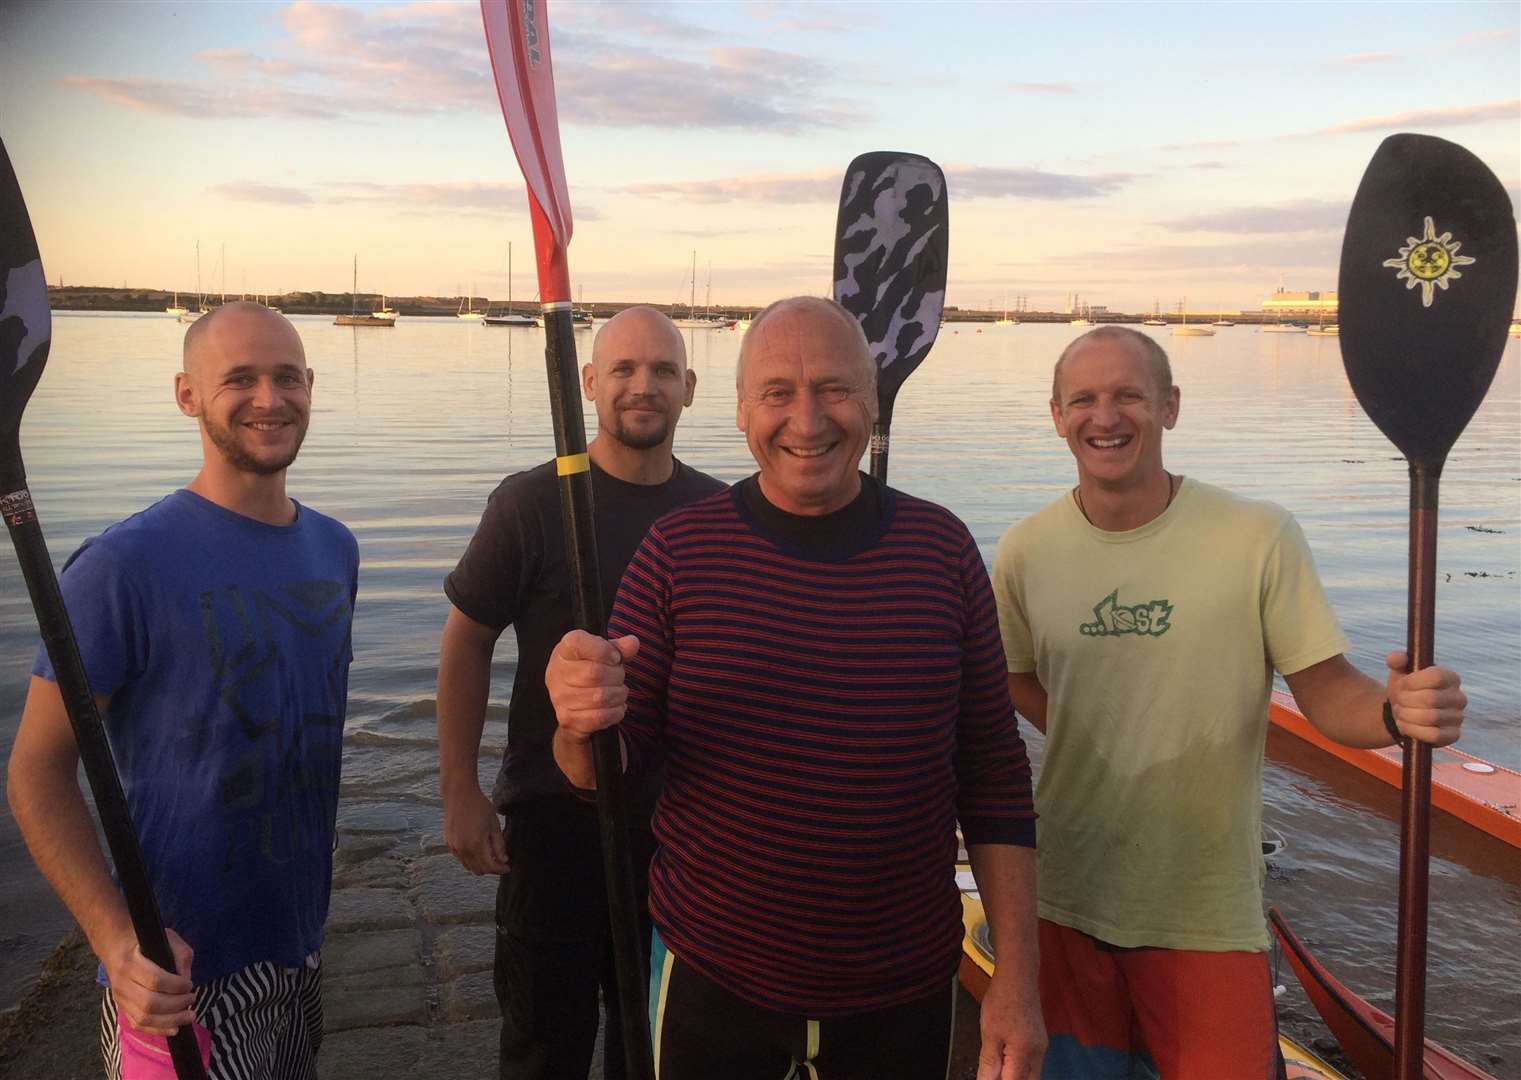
[{"x": 824, "y": 724}]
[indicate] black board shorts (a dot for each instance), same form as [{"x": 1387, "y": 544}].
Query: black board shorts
[{"x": 701, "y": 1031}]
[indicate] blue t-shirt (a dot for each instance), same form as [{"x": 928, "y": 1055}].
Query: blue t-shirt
[{"x": 224, "y": 644}]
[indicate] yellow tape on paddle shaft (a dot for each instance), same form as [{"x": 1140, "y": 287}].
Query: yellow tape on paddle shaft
[{"x": 571, "y": 464}]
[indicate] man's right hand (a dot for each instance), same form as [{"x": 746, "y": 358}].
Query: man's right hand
[
  {"x": 474, "y": 832},
  {"x": 585, "y": 682},
  {"x": 153, "y": 1000}
]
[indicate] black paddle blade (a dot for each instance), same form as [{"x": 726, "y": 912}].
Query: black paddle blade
[
  {"x": 1428, "y": 277},
  {"x": 25, "y": 322},
  {"x": 890, "y": 248}
]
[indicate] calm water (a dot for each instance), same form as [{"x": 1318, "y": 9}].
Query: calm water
[{"x": 412, "y": 428}]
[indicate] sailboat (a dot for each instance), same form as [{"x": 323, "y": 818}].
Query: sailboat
[
  {"x": 385, "y": 317},
  {"x": 1156, "y": 315},
  {"x": 1006, "y": 321},
  {"x": 692, "y": 320},
  {"x": 200, "y": 300},
  {"x": 1184, "y": 330},
  {"x": 1221, "y": 320},
  {"x": 176, "y": 309},
  {"x": 467, "y": 307},
  {"x": 1320, "y": 329},
  {"x": 1078, "y": 310},
  {"x": 511, "y": 318},
  {"x": 1278, "y": 326}
]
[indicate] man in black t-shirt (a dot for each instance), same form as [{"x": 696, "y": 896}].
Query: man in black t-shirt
[{"x": 553, "y": 951}]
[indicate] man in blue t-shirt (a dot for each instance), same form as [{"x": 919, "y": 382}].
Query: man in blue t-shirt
[{"x": 215, "y": 629}]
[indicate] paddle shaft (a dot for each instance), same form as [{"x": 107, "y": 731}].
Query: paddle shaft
[
  {"x": 90, "y": 735},
  {"x": 880, "y": 430},
  {"x": 577, "y": 513},
  {"x": 1415, "y": 791}
]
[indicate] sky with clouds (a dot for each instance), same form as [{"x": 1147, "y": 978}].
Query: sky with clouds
[{"x": 1133, "y": 153}]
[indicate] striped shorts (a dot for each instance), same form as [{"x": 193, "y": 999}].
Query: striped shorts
[{"x": 265, "y": 1023}]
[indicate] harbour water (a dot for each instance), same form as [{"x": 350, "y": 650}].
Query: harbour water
[{"x": 413, "y": 426}]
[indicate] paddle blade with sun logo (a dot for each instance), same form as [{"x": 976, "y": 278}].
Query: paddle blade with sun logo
[{"x": 1428, "y": 277}]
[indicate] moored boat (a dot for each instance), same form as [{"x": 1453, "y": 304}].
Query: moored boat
[
  {"x": 384, "y": 317},
  {"x": 1364, "y": 1032},
  {"x": 510, "y": 318},
  {"x": 1477, "y": 792},
  {"x": 1184, "y": 330}
]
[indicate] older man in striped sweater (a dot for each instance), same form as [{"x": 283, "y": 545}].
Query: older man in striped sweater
[{"x": 816, "y": 658}]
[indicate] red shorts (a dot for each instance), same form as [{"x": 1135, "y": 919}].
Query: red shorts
[{"x": 1182, "y": 1014}]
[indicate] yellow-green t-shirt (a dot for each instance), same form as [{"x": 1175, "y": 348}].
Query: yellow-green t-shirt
[{"x": 1156, "y": 648}]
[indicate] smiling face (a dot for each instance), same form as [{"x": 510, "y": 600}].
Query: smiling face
[
  {"x": 1112, "y": 411},
  {"x": 247, "y": 382},
  {"x": 639, "y": 379},
  {"x": 806, "y": 405}
]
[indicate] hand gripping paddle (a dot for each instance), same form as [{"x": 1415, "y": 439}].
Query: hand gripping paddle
[
  {"x": 517, "y": 37},
  {"x": 890, "y": 247},
  {"x": 1428, "y": 277},
  {"x": 25, "y": 333}
]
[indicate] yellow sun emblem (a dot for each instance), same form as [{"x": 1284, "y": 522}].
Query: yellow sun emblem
[{"x": 1429, "y": 260}]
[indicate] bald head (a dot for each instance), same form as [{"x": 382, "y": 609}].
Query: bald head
[
  {"x": 643, "y": 324},
  {"x": 801, "y": 315},
  {"x": 228, "y": 327},
  {"x": 1150, "y": 353}
]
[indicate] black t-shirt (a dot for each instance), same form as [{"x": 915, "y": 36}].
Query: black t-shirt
[
  {"x": 515, "y": 573},
  {"x": 850, "y": 530}
]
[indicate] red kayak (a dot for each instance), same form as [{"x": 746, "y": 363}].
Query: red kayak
[
  {"x": 1365, "y": 1033},
  {"x": 1480, "y": 793}
]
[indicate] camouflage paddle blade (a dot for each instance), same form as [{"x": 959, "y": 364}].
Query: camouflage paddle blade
[
  {"x": 1428, "y": 277},
  {"x": 26, "y": 325},
  {"x": 890, "y": 250}
]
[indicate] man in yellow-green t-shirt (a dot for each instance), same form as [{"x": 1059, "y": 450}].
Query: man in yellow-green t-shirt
[{"x": 1143, "y": 615}]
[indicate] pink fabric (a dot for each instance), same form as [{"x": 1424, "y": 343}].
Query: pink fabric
[{"x": 146, "y": 1057}]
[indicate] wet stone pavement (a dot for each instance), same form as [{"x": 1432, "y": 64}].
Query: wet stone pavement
[{"x": 407, "y": 955}]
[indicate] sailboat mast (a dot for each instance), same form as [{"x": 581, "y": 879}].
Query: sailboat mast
[
  {"x": 509, "y": 277},
  {"x": 354, "y": 289},
  {"x": 692, "y": 295}
]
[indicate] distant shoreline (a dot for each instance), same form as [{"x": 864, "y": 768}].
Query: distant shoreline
[{"x": 100, "y": 298}]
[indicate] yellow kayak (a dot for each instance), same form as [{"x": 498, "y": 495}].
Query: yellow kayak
[{"x": 977, "y": 969}]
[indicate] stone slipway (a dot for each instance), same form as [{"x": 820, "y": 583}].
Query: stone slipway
[{"x": 407, "y": 970}]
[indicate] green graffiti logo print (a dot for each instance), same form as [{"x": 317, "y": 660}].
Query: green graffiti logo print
[{"x": 1111, "y": 618}]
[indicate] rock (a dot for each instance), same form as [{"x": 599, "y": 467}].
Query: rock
[
  {"x": 357, "y": 953},
  {"x": 368, "y": 909},
  {"x": 461, "y": 950},
  {"x": 462, "y": 1052},
  {"x": 449, "y": 893},
  {"x": 469, "y": 997},
  {"x": 370, "y": 817},
  {"x": 375, "y": 999},
  {"x": 383, "y": 872},
  {"x": 376, "y": 1052}
]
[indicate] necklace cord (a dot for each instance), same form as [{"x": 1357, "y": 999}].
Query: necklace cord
[{"x": 1172, "y": 489}]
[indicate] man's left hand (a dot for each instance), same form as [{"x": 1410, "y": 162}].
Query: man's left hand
[
  {"x": 1013, "y": 1031},
  {"x": 1428, "y": 704}
]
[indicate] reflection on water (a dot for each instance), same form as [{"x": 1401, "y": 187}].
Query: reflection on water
[{"x": 412, "y": 427}]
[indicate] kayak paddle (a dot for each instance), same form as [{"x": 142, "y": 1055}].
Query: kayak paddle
[
  {"x": 517, "y": 37},
  {"x": 890, "y": 247},
  {"x": 25, "y": 333},
  {"x": 1428, "y": 277}
]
